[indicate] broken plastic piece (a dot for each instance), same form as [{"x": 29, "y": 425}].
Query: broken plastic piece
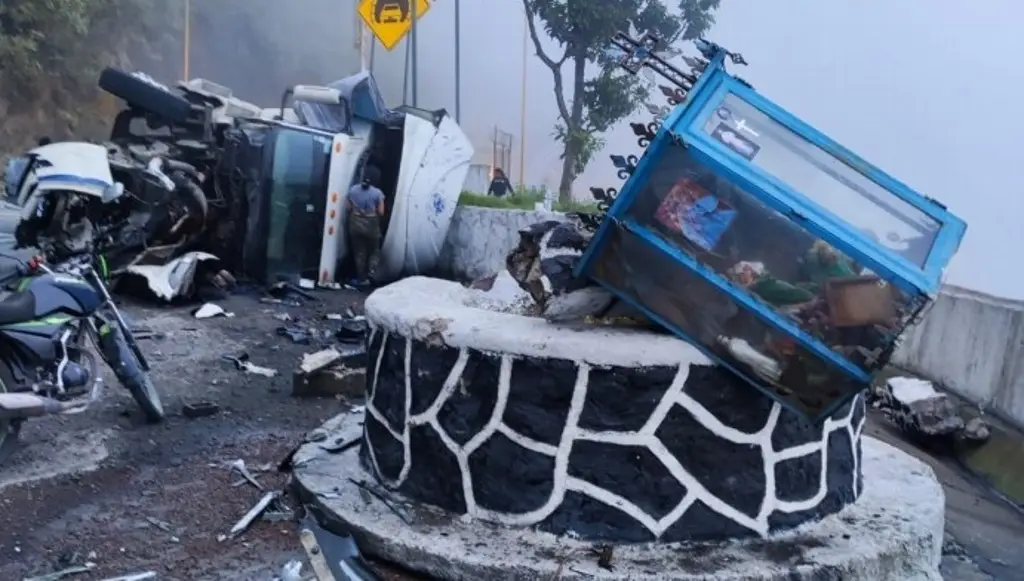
[{"x": 210, "y": 310}]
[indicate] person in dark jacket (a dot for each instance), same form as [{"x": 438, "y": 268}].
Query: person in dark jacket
[{"x": 500, "y": 186}]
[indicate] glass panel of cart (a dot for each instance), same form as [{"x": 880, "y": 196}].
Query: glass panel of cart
[
  {"x": 886, "y": 219},
  {"x": 776, "y": 261}
]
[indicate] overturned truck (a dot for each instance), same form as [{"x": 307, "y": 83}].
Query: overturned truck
[{"x": 193, "y": 174}]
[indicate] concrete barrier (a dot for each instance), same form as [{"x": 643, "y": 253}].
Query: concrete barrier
[
  {"x": 480, "y": 238},
  {"x": 973, "y": 344}
]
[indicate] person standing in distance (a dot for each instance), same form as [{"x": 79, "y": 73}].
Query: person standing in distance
[
  {"x": 365, "y": 205},
  {"x": 500, "y": 186}
]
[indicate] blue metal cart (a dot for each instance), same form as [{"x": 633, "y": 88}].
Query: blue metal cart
[{"x": 778, "y": 252}]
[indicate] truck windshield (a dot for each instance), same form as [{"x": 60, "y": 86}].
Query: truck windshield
[{"x": 297, "y": 200}]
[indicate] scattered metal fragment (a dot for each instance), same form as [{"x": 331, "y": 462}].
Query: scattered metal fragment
[
  {"x": 295, "y": 334},
  {"x": 287, "y": 290},
  {"x": 239, "y": 466},
  {"x": 379, "y": 495},
  {"x": 246, "y": 521},
  {"x": 133, "y": 577},
  {"x": 287, "y": 303},
  {"x": 199, "y": 409},
  {"x": 165, "y": 527},
  {"x": 333, "y": 557},
  {"x": 64, "y": 573},
  {"x": 340, "y": 445},
  {"x": 284, "y": 317}
]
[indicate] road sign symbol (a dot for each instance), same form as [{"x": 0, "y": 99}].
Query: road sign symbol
[{"x": 390, "y": 20}]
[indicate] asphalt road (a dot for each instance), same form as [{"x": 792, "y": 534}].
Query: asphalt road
[{"x": 105, "y": 488}]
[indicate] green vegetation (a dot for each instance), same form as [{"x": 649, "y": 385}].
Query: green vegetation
[
  {"x": 51, "y": 53},
  {"x": 590, "y": 104},
  {"x": 521, "y": 200}
]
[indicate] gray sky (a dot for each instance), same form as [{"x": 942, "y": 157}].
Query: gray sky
[{"x": 889, "y": 79}]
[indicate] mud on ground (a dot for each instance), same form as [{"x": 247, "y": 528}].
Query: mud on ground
[{"x": 90, "y": 487}]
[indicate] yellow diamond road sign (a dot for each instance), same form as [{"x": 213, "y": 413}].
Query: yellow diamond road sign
[{"x": 390, "y": 20}]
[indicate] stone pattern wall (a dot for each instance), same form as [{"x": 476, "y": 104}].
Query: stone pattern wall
[
  {"x": 630, "y": 455},
  {"x": 479, "y": 239},
  {"x": 972, "y": 344}
]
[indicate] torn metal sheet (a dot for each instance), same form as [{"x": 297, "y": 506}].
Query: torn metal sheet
[
  {"x": 173, "y": 279},
  {"x": 333, "y": 557}
]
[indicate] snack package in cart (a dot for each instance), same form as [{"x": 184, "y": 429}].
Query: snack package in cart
[{"x": 695, "y": 213}]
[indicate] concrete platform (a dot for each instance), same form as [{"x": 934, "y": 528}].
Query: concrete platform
[{"x": 893, "y": 532}]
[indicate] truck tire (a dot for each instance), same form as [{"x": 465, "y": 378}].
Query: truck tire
[{"x": 139, "y": 94}]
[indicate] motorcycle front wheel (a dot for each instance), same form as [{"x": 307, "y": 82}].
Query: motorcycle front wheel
[{"x": 129, "y": 372}]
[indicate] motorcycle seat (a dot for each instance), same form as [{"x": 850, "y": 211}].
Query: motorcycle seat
[{"x": 17, "y": 307}]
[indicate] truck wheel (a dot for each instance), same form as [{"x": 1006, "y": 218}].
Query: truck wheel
[{"x": 139, "y": 94}]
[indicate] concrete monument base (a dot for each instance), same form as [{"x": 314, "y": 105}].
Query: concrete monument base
[{"x": 893, "y": 531}]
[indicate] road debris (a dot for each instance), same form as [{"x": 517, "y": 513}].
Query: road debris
[
  {"x": 382, "y": 496},
  {"x": 242, "y": 363},
  {"x": 333, "y": 557},
  {"x": 295, "y": 334},
  {"x": 145, "y": 576},
  {"x": 211, "y": 310},
  {"x": 64, "y": 573},
  {"x": 604, "y": 556},
  {"x": 239, "y": 466},
  {"x": 331, "y": 372},
  {"x": 199, "y": 409},
  {"x": 292, "y": 571},
  {"x": 282, "y": 302},
  {"x": 165, "y": 527},
  {"x": 255, "y": 512},
  {"x": 930, "y": 418}
]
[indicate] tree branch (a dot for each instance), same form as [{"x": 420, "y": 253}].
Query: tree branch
[
  {"x": 555, "y": 66},
  {"x": 551, "y": 63}
]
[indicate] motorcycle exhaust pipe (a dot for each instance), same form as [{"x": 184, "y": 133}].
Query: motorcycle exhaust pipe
[{"x": 28, "y": 405}]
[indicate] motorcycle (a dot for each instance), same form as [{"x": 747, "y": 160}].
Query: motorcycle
[{"x": 47, "y": 322}]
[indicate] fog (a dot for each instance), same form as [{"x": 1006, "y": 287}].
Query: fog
[{"x": 890, "y": 80}]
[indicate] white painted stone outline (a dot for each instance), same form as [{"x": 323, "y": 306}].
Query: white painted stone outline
[{"x": 644, "y": 437}]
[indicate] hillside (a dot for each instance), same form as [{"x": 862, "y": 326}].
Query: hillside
[{"x": 51, "y": 52}]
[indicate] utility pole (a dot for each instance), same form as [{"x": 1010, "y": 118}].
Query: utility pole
[
  {"x": 187, "y": 40},
  {"x": 458, "y": 64},
  {"x": 373, "y": 50},
  {"x": 522, "y": 113},
  {"x": 415, "y": 63}
]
